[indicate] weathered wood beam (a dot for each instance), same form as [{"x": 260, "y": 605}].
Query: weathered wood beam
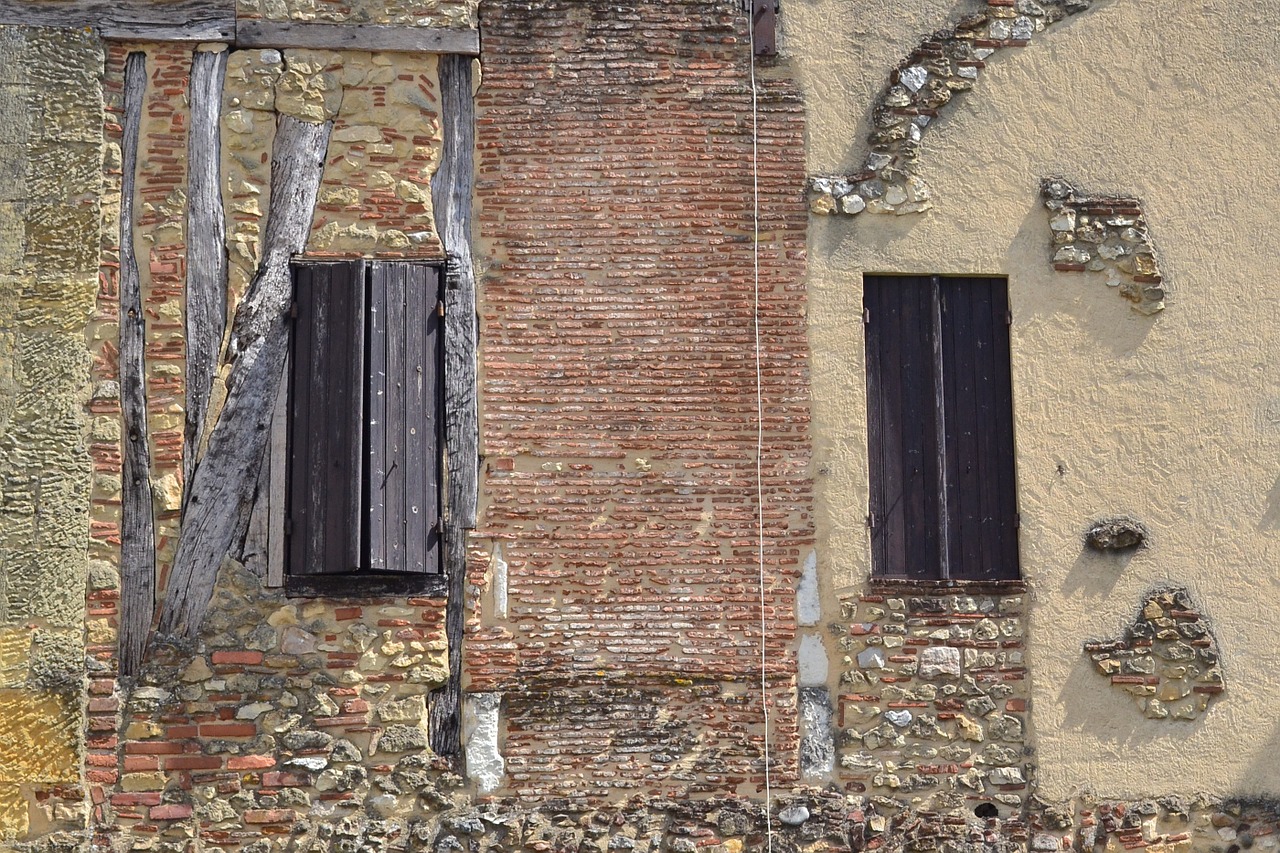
[
  {"x": 451, "y": 189},
  {"x": 140, "y": 20},
  {"x": 285, "y": 34},
  {"x": 206, "y": 248},
  {"x": 226, "y": 477},
  {"x": 137, "y": 514}
]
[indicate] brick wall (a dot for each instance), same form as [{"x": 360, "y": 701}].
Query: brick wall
[{"x": 619, "y": 398}]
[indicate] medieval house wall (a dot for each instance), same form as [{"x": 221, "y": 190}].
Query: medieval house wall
[{"x": 1167, "y": 418}]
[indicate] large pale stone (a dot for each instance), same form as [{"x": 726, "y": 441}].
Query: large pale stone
[{"x": 938, "y": 661}]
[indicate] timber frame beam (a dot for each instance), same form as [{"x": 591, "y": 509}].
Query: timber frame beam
[{"x": 215, "y": 21}]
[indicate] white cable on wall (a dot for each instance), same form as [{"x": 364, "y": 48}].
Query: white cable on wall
[{"x": 755, "y": 320}]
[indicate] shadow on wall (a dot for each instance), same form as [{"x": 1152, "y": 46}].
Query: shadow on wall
[
  {"x": 1271, "y": 518},
  {"x": 1093, "y": 705},
  {"x": 1259, "y": 777},
  {"x": 1098, "y": 309},
  {"x": 1095, "y": 574}
]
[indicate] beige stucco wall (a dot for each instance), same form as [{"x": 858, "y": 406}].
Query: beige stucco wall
[{"x": 1174, "y": 419}]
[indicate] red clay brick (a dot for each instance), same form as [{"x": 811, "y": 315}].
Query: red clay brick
[
  {"x": 193, "y": 762},
  {"x": 250, "y": 762},
  {"x": 228, "y": 730},
  {"x": 169, "y": 812},
  {"x": 241, "y": 657}
]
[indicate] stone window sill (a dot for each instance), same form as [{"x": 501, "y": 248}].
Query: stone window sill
[{"x": 947, "y": 587}]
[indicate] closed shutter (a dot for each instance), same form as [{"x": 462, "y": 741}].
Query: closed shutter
[
  {"x": 326, "y": 419},
  {"x": 902, "y": 430},
  {"x": 406, "y": 399},
  {"x": 940, "y": 428},
  {"x": 981, "y": 499}
]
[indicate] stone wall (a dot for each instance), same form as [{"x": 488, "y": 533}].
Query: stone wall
[
  {"x": 932, "y": 702},
  {"x": 50, "y": 148}
]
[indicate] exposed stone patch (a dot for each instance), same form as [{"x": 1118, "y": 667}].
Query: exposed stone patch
[
  {"x": 932, "y": 702},
  {"x": 1168, "y": 659},
  {"x": 944, "y": 66},
  {"x": 1107, "y": 234},
  {"x": 1116, "y": 534}
]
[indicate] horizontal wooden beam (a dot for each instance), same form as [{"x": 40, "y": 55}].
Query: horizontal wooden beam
[
  {"x": 133, "y": 20},
  {"x": 215, "y": 21},
  {"x": 284, "y": 34}
]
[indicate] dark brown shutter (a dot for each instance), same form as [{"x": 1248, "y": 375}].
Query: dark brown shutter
[
  {"x": 325, "y": 429},
  {"x": 978, "y": 409},
  {"x": 404, "y": 419},
  {"x": 940, "y": 428},
  {"x": 902, "y": 433}
]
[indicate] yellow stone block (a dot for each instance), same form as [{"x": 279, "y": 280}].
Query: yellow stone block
[
  {"x": 140, "y": 730},
  {"x": 15, "y": 655},
  {"x": 39, "y": 736},
  {"x": 15, "y": 815},
  {"x": 142, "y": 782}
]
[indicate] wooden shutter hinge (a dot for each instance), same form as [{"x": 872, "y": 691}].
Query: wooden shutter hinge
[
  {"x": 293, "y": 310},
  {"x": 1017, "y": 521},
  {"x": 866, "y": 316},
  {"x": 438, "y": 527},
  {"x": 1008, "y": 318},
  {"x": 871, "y": 521},
  {"x": 440, "y": 308}
]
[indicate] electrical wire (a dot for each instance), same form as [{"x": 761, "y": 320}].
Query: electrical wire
[{"x": 755, "y": 323}]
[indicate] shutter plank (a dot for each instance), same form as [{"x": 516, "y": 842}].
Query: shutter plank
[
  {"x": 986, "y": 402},
  {"x": 1002, "y": 430},
  {"x": 393, "y": 489},
  {"x": 416, "y": 418},
  {"x": 919, "y": 443},
  {"x": 877, "y": 427},
  {"x": 376, "y": 418},
  {"x": 965, "y": 482},
  {"x": 326, "y": 432},
  {"x": 298, "y": 507},
  {"x": 887, "y": 313}
]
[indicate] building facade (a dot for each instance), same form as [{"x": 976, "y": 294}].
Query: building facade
[{"x": 579, "y": 426}]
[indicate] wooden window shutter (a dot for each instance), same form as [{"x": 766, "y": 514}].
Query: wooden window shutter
[
  {"x": 902, "y": 433},
  {"x": 326, "y": 419},
  {"x": 977, "y": 401},
  {"x": 943, "y": 496},
  {"x": 404, "y": 424}
]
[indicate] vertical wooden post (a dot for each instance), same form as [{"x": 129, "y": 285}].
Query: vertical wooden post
[
  {"x": 137, "y": 519},
  {"x": 206, "y": 249},
  {"x": 226, "y": 478},
  {"x": 451, "y": 189}
]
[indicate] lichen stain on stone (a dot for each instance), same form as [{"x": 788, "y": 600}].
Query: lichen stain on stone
[{"x": 1168, "y": 659}]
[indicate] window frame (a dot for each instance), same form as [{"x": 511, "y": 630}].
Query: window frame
[{"x": 932, "y": 538}]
